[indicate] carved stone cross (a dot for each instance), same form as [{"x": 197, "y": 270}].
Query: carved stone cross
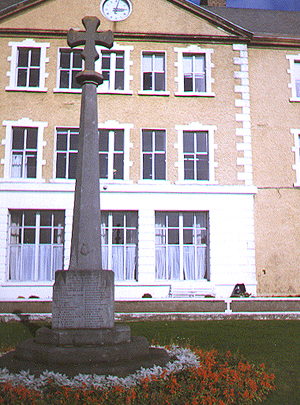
[
  {"x": 90, "y": 38},
  {"x": 86, "y": 233}
]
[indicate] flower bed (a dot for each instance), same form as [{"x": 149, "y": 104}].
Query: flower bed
[{"x": 190, "y": 378}]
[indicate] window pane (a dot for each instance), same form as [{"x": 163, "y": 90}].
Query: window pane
[
  {"x": 105, "y": 61},
  {"x": 62, "y": 141},
  {"x": 188, "y": 142},
  {"x": 74, "y": 138},
  {"x": 173, "y": 236},
  {"x": 29, "y": 236},
  {"x": 103, "y": 140},
  {"x": 159, "y": 81},
  {"x": 45, "y": 236},
  {"x": 77, "y": 59},
  {"x": 29, "y": 218},
  {"x": 64, "y": 59},
  {"x": 131, "y": 219},
  {"x": 200, "y": 84},
  {"x": 31, "y": 138},
  {"x": 159, "y": 63},
  {"x": 31, "y": 165},
  {"x": 147, "y": 166},
  {"x": 188, "y": 83},
  {"x": 119, "y": 140},
  {"x": 147, "y": 81},
  {"x": 147, "y": 141},
  {"x": 64, "y": 79},
  {"x": 103, "y": 163},
  {"x": 22, "y": 77},
  {"x": 147, "y": 62},
  {"x": 202, "y": 142},
  {"x": 45, "y": 218},
  {"x": 61, "y": 166},
  {"x": 160, "y": 219},
  {"x": 23, "y": 57},
  {"x": 118, "y": 165},
  {"x": 202, "y": 168},
  {"x": 188, "y": 236},
  {"x": 119, "y": 80},
  {"x": 173, "y": 219},
  {"x": 59, "y": 218},
  {"x": 118, "y": 219},
  {"x": 160, "y": 141},
  {"x": 201, "y": 219},
  {"x": 120, "y": 60},
  {"x": 188, "y": 219},
  {"x": 160, "y": 166},
  {"x": 199, "y": 64},
  {"x": 35, "y": 57},
  {"x": 187, "y": 64},
  {"x": 72, "y": 165},
  {"x": 18, "y": 138},
  {"x": 34, "y": 77},
  {"x": 189, "y": 167}
]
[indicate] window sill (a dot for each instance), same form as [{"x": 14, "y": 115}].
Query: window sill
[
  {"x": 295, "y": 99},
  {"x": 21, "y": 180},
  {"x": 28, "y": 89},
  {"x": 153, "y": 93},
  {"x": 74, "y": 91},
  {"x": 124, "y": 92},
  {"x": 28, "y": 283},
  {"x": 154, "y": 182},
  {"x": 192, "y": 94},
  {"x": 195, "y": 183}
]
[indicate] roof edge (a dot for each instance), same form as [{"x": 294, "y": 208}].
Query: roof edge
[
  {"x": 16, "y": 8},
  {"x": 212, "y": 18}
]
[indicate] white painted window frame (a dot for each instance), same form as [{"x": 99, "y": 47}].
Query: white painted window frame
[
  {"x": 153, "y": 92},
  {"x": 58, "y": 89},
  {"x": 292, "y": 72},
  {"x": 194, "y": 49},
  {"x": 37, "y": 243},
  {"x": 13, "y": 59},
  {"x": 196, "y": 126},
  {"x": 127, "y": 63},
  {"x": 7, "y": 142},
  {"x": 153, "y": 181},
  {"x": 112, "y": 125}
]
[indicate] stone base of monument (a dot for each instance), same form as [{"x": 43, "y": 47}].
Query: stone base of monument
[
  {"x": 84, "y": 338},
  {"x": 120, "y": 359}
]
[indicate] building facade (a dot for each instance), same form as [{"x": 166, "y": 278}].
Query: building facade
[{"x": 199, "y": 167}]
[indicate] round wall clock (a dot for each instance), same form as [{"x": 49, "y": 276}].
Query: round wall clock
[{"x": 116, "y": 10}]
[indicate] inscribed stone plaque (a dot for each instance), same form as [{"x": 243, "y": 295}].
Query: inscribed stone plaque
[{"x": 83, "y": 299}]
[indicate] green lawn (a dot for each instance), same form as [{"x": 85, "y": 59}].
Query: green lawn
[{"x": 275, "y": 343}]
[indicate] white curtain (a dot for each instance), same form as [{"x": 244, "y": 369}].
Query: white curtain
[
  {"x": 194, "y": 267},
  {"x": 16, "y": 166},
  {"x": 130, "y": 262},
  {"x": 118, "y": 262},
  {"x": 167, "y": 262}
]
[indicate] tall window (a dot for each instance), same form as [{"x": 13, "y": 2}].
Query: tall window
[
  {"x": 66, "y": 152},
  {"x": 111, "y": 154},
  {"x": 28, "y": 67},
  {"x": 70, "y": 64},
  {"x": 35, "y": 244},
  {"x": 194, "y": 73},
  {"x": 113, "y": 70},
  {"x": 196, "y": 157},
  {"x": 24, "y": 152},
  {"x": 153, "y": 69},
  {"x": 154, "y": 154},
  {"x": 119, "y": 243},
  {"x": 181, "y": 245}
]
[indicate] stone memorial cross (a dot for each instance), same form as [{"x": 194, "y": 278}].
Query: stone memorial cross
[{"x": 86, "y": 243}]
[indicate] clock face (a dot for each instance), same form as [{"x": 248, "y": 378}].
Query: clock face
[{"x": 116, "y": 10}]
